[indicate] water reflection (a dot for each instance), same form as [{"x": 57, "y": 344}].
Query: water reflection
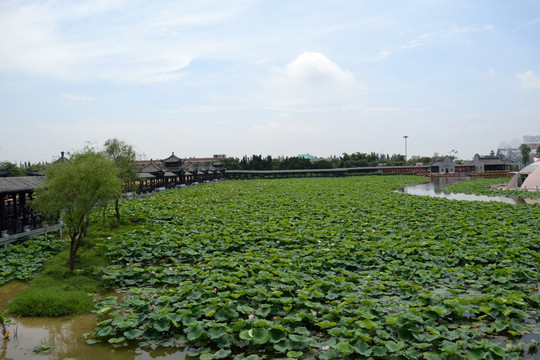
[
  {"x": 435, "y": 188},
  {"x": 65, "y": 337}
]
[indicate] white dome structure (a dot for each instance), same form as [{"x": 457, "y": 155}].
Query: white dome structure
[{"x": 527, "y": 178}]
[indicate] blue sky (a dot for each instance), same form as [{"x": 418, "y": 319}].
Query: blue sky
[{"x": 268, "y": 77}]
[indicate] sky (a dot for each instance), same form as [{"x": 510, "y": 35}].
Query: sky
[{"x": 269, "y": 77}]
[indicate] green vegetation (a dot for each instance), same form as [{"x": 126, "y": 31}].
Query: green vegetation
[
  {"x": 322, "y": 269},
  {"x": 57, "y": 291},
  {"x": 123, "y": 156},
  {"x": 525, "y": 151},
  {"x": 50, "y": 301},
  {"x": 74, "y": 189},
  {"x": 22, "y": 261},
  {"x": 483, "y": 187}
]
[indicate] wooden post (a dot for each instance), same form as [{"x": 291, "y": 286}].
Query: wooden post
[
  {"x": 3, "y": 220},
  {"x": 15, "y": 213}
]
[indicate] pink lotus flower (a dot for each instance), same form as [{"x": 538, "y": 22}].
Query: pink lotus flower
[
  {"x": 250, "y": 316},
  {"x": 325, "y": 347}
]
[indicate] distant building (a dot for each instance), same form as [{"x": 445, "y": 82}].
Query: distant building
[
  {"x": 489, "y": 163},
  {"x": 175, "y": 159},
  {"x": 532, "y": 141},
  {"x": 443, "y": 166}
]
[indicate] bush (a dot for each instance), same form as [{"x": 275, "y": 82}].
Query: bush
[{"x": 50, "y": 302}]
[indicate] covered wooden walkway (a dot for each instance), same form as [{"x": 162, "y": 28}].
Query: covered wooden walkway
[
  {"x": 265, "y": 174},
  {"x": 16, "y": 216}
]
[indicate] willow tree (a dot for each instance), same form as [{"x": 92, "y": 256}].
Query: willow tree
[
  {"x": 123, "y": 155},
  {"x": 74, "y": 189}
]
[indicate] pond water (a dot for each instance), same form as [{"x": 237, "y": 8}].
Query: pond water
[
  {"x": 435, "y": 188},
  {"x": 64, "y": 336}
]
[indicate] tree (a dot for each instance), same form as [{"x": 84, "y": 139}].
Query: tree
[
  {"x": 525, "y": 153},
  {"x": 14, "y": 170},
  {"x": 123, "y": 156},
  {"x": 73, "y": 189}
]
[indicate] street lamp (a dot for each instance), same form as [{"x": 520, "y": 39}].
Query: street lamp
[{"x": 405, "y": 137}]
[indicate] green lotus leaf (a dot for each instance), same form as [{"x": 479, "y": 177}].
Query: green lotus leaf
[
  {"x": 246, "y": 334},
  {"x": 215, "y": 333},
  {"x": 276, "y": 335},
  {"x": 222, "y": 354},
  {"x": 106, "y": 331},
  {"x": 162, "y": 325},
  {"x": 475, "y": 354},
  {"x": 195, "y": 333},
  {"x": 294, "y": 354},
  {"x": 344, "y": 348},
  {"x": 206, "y": 356},
  {"x": 362, "y": 348},
  {"x": 260, "y": 336},
  {"x": 117, "y": 340},
  {"x": 133, "y": 333},
  {"x": 302, "y": 330},
  {"x": 283, "y": 346}
]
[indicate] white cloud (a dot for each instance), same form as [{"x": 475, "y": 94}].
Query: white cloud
[
  {"x": 317, "y": 69},
  {"x": 311, "y": 81},
  {"x": 530, "y": 23},
  {"x": 70, "y": 40},
  {"x": 529, "y": 79},
  {"x": 76, "y": 98}
]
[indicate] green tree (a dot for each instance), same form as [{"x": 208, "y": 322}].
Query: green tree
[
  {"x": 525, "y": 153},
  {"x": 74, "y": 188},
  {"x": 123, "y": 156},
  {"x": 14, "y": 170}
]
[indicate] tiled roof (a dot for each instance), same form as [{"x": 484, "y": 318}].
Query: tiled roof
[
  {"x": 172, "y": 159},
  {"x": 19, "y": 183}
]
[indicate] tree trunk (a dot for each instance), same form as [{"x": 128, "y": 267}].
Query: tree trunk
[
  {"x": 103, "y": 214},
  {"x": 117, "y": 209},
  {"x": 72, "y": 252}
]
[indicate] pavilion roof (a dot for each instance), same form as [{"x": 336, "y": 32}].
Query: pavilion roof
[
  {"x": 150, "y": 168},
  {"x": 172, "y": 159}
]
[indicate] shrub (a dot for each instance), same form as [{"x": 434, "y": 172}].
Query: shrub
[{"x": 50, "y": 302}]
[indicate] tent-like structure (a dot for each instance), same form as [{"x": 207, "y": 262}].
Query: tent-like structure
[{"x": 527, "y": 178}]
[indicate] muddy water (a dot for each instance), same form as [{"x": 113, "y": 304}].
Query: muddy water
[{"x": 64, "y": 336}]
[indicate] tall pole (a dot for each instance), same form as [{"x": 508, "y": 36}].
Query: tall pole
[{"x": 405, "y": 137}]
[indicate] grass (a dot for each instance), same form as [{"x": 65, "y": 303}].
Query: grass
[{"x": 57, "y": 291}]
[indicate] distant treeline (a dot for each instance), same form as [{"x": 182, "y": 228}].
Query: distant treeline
[
  {"x": 11, "y": 169},
  {"x": 258, "y": 162}
]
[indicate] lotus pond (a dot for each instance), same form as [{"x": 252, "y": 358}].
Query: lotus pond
[{"x": 323, "y": 269}]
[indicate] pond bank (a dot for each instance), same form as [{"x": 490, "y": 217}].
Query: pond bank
[{"x": 62, "y": 338}]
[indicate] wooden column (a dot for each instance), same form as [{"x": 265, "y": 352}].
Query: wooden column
[
  {"x": 3, "y": 220},
  {"x": 15, "y": 213}
]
